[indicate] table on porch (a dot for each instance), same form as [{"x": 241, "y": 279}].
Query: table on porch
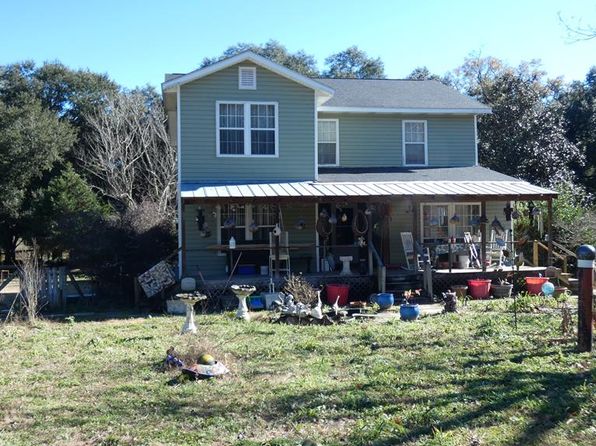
[{"x": 255, "y": 247}]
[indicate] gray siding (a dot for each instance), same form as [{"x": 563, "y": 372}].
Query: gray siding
[
  {"x": 198, "y": 134},
  {"x": 372, "y": 140}
]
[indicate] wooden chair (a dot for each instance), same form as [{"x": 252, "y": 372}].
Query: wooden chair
[
  {"x": 284, "y": 252},
  {"x": 414, "y": 259}
]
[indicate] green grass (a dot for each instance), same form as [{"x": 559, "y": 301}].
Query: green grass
[{"x": 444, "y": 380}]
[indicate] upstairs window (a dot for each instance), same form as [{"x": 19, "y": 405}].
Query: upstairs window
[
  {"x": 247, "y": 78},
  {"x": 247, "y": 129},
  {"x": 231, "y": 129},
  {"x": 328, "y": 145},
  {"x": 414, "y": 143}
]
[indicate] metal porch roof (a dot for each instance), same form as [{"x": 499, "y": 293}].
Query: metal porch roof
[{"x": 313, "y": 190}]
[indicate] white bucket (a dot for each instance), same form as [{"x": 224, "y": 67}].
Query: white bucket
[
  {"x": 264, "y": 270},
  {"x": 463, "y": 260}
]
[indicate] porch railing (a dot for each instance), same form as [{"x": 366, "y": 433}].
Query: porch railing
[
  {"x": 559, "y": 252},
  {"x": 381, "y": 268}
]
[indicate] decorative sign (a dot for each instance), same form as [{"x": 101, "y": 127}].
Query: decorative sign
[{"x": 156, "y": 279}]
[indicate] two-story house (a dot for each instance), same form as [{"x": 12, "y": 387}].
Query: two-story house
[{"x": 345, "y": 167}]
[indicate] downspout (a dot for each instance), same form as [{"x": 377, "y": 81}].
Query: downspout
[
  {"x": 179, "y": 182},
  {"x": 476, "y": 139}
]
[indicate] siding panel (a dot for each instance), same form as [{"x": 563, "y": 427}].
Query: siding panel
[
  {"x": 373, "y": 140},
  {"x": 296, "y": 129}
]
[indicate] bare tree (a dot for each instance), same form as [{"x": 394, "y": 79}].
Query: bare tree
[
  {"x": 28, "y": 303},
  {"x": 578, "y": 31},
  {"x": 128, "y": 152}
]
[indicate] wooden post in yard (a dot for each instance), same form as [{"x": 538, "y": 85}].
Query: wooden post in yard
[
  {"x": 585, "y": 274},
  {"x": 549, "y": 231},
  {"x": 483, "y": 235}
]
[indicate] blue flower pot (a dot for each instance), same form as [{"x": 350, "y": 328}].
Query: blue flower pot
[
  {"x": 385, "y": 300},
  {"x": 409, "y": 312}
]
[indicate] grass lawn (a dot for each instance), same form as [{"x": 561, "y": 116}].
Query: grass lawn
[{"x": 462, "y": 379}]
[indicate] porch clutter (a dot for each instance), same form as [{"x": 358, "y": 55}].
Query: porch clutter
[{"x": 346, "y": 271}]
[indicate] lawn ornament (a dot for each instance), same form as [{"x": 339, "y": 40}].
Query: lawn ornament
[
  {"x": 548, "y": 288},
  {"x": 242, "y": 292}
]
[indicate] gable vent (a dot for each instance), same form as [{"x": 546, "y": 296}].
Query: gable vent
[{"x": 247, "y": 78}]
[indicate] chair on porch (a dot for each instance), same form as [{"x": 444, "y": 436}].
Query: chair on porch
[
  {"x": 284, "y": 252},
  {"x": 498, "y": 243},
  {"x": 413, "y": 252}
]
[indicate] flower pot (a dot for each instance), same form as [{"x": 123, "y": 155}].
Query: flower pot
[
  {"x": 460, "y": 290},
  {"x": 534, "y": 284},
  {"x": 501, "y": 290},
  {"x": 561, "y": 291},
  {"x": 385, "y": 300},
  {"x": 335, "y": 290},
  {"x": 409, "y": 312},
  {"x": 479, "y": 288}
]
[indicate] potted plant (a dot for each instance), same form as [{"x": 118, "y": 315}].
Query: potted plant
[
  {"x": 503, "y": 288},
  {"x": 409, "y": 311}
]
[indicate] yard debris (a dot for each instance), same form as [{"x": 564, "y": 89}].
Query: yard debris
[{"x": 205, "y": 366}]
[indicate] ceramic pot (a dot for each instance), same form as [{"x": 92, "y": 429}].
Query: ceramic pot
[
  {"x": 501, "y": 290},
  {"x": 385, "y": 300},
  {"x": 409, "y": 312}
]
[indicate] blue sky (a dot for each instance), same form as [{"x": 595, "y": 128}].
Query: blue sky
[{"x": 136, "y": 42}]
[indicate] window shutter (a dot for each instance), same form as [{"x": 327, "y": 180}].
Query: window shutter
[{"x": 247, "y": 78}]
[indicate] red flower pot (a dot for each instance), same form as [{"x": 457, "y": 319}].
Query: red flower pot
[
  {"x": 534, "y": 284},
  {"x": 479, "y": 288}
]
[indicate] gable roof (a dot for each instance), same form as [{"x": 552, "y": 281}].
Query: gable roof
[
  {"x": 397, "y": 96},
  {"x": 174, "y": 82}
]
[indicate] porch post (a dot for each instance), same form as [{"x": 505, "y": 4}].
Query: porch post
[
  {"x": 549, "y": 231},
  {"x": 277, "y": 246},
  {"x": 182, "y": 230},
  {"x": 369, "y": 237},
  {"x": 483, "y": 235}
]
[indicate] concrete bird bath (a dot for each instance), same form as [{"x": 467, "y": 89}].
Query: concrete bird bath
[
  {"x": 242, "y": 292},
  {"x": 190, "y": 299}
]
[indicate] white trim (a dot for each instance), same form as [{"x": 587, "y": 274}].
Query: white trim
[
  {"x": 450, "y": 211},
  {"x": 316, "y": 177},
  {"x": 247, "y": 129},
  {"x": 336, "y": 141},
  {"x": 583, "y": 263},
  {"x": 254, "y": 73},
  {"x": 403, "y": 141},
  {"x": 430, "y": 111},
  {"x": 476, "y": 139},
  {"x": 179, "y": 182},
  {"x": 256, "y": 59}
]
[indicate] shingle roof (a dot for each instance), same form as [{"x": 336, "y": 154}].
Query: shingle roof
[
  {"x": 399, "y": 94},
  {"x": 378, "y": 174}
]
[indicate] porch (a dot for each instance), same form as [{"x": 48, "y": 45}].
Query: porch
[{"x": 358, "y": 216}]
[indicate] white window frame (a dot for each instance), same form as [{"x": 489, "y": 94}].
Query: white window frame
[
  {"x": 249, "y": 210},
  {"x": 247, "y": 129},
  {"x": 450, "y": 211},
  {"x": 254, "y": 73},
  {"x": 403, "y": 141},
  {"x": 336, "y": 141}
]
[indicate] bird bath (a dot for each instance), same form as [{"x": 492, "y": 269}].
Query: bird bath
[
  {"x": 242, "y": 292},
  {"x": 190, "y": 299}
]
